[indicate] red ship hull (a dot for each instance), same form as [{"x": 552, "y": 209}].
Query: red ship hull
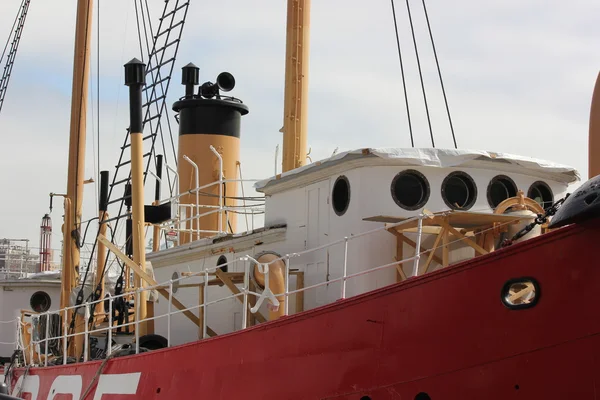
[{"x": 445, "y": 335}]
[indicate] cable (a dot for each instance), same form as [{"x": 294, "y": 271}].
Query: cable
[
  {"x": 439, "y": 73},
  {"x": 98, "y": 88},
  {"x": 420, "y": 72},
  {"x": 412, "y": 142},
  {"x": 11, "y": 30}
]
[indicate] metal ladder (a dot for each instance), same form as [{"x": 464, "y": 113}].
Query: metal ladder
[
  {"x": 159, "y": 68},
  {"x": 14, "y": 45}
]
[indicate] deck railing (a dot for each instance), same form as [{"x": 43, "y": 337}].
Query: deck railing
[
  {"x": 35, "y": 348},
  {"x": 35, "y": 351},
  {"x": 181, "y": 220}
]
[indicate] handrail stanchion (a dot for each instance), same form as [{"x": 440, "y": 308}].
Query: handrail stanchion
[
  {"x": 197, "y": 190},
  {"x": 137, "y": 321},
  {"x": 169, "y": 313},
  {"x": 204, "y": 304},
  {"x": 66, "y": 337},
  {"x": 418, "y": 246},
  {"x": 86, "y": 338},
  {"x": 345, "y": 270},
  {"x": 287, "y": 285},
  {"x": 216, "y": 153},
  {"x": 110, "y": 327},
  {"x": 46, "y": 342},
  {"x": 31, "y": 345},
  {"x": 246, "y": 285}
]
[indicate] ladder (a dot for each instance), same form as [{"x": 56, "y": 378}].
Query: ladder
[
  {"x": 159, "y": 68},
  {"x": 16, "y": 32}
]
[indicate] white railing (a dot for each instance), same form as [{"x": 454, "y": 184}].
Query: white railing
[
  {"x": 245, "y": 291},
  {"x": 180, "y": 222}
]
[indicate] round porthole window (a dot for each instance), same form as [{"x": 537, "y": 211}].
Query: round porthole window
[
  {"x": 40, "y": 302},
  {"x": 541, "y": 193},
  {"x": 340, "y": 196},
  {"x": 459, "y": 191},
  {"x": 501, "y": 187},
  {"x": 410, "y": 189},
  {"x": 221, "y": 261}
]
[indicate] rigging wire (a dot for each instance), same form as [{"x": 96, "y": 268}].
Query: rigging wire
[
  {"x": 412, "y": 142},
  {"x": 412, "y": 28},
  {"x": 439, "y": 73},
  {"x": 98, "y": 92},
  {"x": 137, "y": 19},
  {"x": 11, "y": 31}
]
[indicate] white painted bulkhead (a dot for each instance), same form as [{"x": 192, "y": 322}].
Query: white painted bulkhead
[
  {"x": 16, "y": 295},
  {"x": 302, "y": 201}
]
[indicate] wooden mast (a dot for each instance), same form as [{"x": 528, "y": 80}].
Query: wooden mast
[
  {"x": 74, "y": 198},
  {"x": 594, "y": 133},
  {"x": 135, "y": 80},
  {"x": 295, "y": 114}
]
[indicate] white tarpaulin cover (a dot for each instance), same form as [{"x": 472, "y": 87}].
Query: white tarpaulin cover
[{"x": 442, "y": 158}]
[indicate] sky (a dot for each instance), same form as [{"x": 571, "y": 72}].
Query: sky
[{"x": 518, "y": 77}]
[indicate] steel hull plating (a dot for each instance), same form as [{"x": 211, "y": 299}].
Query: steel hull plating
[{"x": 446, "y": 334}]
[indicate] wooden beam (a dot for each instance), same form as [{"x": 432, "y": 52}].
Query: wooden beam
[
  {"x": 468, "y": 241},
  {"x": 299, "y": 295},
  {"x": 250, "y": 317},
  {"x": 234, "y": 289},
  {"x": 400, "y": 275},
  {"x": 201, "y": 312},
  {"x": 143, "y": 275},
  {"x": 414, "y": 245},
  {"x": 435, "y": 246},
  {"x": 445, "y": 250}
]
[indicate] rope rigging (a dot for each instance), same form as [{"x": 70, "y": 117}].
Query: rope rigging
[
  {"x": 14, "y": 38},
  {"x": 420, "y": 72},
  {"x": 158, "y": 70}
]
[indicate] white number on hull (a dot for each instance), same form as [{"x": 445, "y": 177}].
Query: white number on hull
[
  {"x": 31, "y": 386},
  {"x": 73, "y": 385},
  {"x": 65, "y": 384},
  {"x": 117, "y": 384}
]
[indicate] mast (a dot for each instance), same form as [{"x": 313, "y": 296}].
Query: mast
[
  {"x": 81, "y": 68},
  {"x": 295, "y": 113},
  {"x": 74, "y": 198},
  {"x": 135, "y": 80},
  {"x": 594, "y": 133}
]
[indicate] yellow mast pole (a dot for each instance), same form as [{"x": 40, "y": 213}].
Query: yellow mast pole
[
  {"x": 594, "y": 133},
  {"x": 101, "y": 248},
  {"x": 295, "y": 113},
  {"x": 81, "y": 69},
  {"x": 75, "y": 182},
  {"x": 135, "y": 79}
]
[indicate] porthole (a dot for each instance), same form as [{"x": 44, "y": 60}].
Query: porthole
[
  {"x": 410, "y": 189},
  {"x": 520, "y": 293},
  {"x": 501, "y": 187},
  {"x": 541, "y": 193},
  {"x": 174, "y": 277},
  {"x": 340, "y": 195},
  {"x": 40, "y": 302},
  {"x": 459, "y": 191},
  {"x": 222, "y": 260},
  {"x": 422, "y": 396}
]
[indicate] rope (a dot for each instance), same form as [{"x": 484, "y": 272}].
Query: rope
[
  {"x": 437, "y": 63},
  {"x": 11, "y": 30},
  {"x": 93, "y": 382},
  {"x": 420, "y": 72},
  {"x": 412, "y": 142}
]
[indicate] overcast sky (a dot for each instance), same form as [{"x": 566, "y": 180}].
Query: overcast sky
[{"x": 518, "y": 75}]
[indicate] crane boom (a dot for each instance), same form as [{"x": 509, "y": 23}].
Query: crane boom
[{"x": 14, "y": 38}]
